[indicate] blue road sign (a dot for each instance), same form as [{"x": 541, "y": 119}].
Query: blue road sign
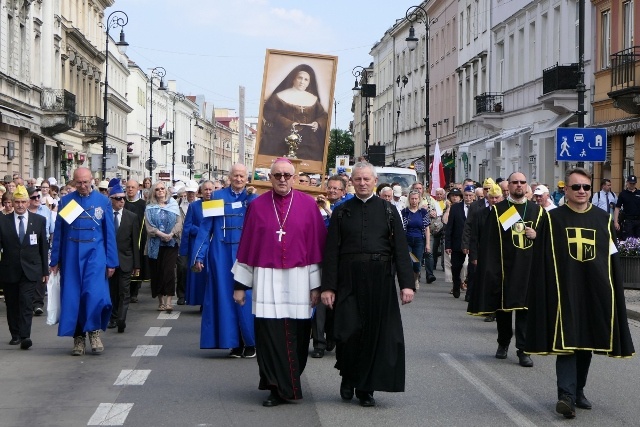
[{"x": 581, "y": 144}]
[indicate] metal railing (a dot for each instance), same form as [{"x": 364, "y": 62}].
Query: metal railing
[
  {"x": 558, "y": 77},
  {"x": 623, "y": 67},
  {"x": 489, "y": 102},
  {"x": 60, "y": 100},
  {"x": 90, "y": 125}
]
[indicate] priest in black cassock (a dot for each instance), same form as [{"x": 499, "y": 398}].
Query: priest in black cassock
[
  {"x": 366, "y": 247},
  {"x": 504, "y": 265},
  {"x": 576, "y": 296}
]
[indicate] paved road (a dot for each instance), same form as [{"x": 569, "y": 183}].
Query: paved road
[{"x": 452, "y": 378}]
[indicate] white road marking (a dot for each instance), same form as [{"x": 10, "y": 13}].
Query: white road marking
[
  {"x": 173, "y": 315},
  {"x": 514, "y": 391},
  {"x": 132, "y": 377},
  {"x": 155, "y": 331},
  {"x": 110, "y": 414},
  {"x": 146, "y": 350},
  {"x": 504, "y": 406}
]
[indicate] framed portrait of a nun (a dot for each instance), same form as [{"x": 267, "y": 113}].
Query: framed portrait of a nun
[{"x": 295, "y": 109}]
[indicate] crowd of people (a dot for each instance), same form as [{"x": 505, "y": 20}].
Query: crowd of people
[{"x": 276, "y": 272}]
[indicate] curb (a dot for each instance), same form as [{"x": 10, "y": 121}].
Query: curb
[{"x": 633, "y": 314}]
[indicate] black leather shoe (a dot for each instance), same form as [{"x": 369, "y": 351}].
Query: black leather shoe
[
  {"x": 121, "y": 326},
  {"x": 456, "y": 294},
  {"x": 26, "y": 343},
  {"x": 431, "y": 279},
  {"x": 524, "y": 360},
  {"x": 112, "y": 324},
  {"x": 467, "y": 297},
  {"x": 38, "y": 311},
  {"x": 490, "y": 318},
  {"x": 273, "y": 400},
  {"x": 582, "y": 402},
  {"x": 330, "y": 345},
  {"x": 501, "y": 353},
  {"x": 133, "y": 300},
  {"x": 15, "y": 341},
  {"x": 317, "y": 353},
  {"x": 366, "y": 400},
  {"x": 180, "y": 301},
  {"x": 346, "y": 391},
  {"x": 565, "y": 407}
]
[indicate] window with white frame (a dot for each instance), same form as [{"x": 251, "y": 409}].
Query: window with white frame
[
  {"x": 627, "y": 24},
  {"x": 605, "y": 39}
]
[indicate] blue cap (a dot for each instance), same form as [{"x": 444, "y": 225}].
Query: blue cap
[
  {"x": 114, "y": 182},
  {"x": 469, "y": 189},
  {"x": 116, "y": 189}
]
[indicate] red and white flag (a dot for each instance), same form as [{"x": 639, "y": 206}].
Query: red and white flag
[{"x": 437, "y": 170}]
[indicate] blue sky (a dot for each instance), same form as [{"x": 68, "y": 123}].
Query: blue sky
[{"x": 211, "y": 47}]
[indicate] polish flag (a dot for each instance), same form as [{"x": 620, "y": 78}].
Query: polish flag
[{"x": 437, "y": 170}]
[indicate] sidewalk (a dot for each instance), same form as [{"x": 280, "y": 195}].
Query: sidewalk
[{"x": 632, "y": 298}]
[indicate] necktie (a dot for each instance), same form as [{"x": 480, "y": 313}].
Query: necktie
[
  {"x": 608, "y": 205},
  {"x": 20, "y": 228},
  {"x": 115, "y": 221}
]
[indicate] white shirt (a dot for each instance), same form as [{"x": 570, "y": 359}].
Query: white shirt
[
  {"x": 119, "y": 217},
  {"x": 602, "y": 199},
  {"x": 25, "y": 221}
]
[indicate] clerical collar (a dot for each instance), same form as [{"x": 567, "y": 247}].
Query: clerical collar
[
  {"x": 365, "y": 200},
  {"x": 280, "y": 195},
  {"x": 517, "y": 201}
]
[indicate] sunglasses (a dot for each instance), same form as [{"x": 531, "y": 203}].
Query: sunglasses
[
  {"x": 119, "y": 199},
  {"x": 518, "y": 182},
  {"x": 34, "y": 197},
  {"x": 278, "y": 176},
  {"x": 577, "y": 187}
]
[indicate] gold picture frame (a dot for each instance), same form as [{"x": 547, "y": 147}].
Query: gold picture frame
[{"x": 297, "y": 89}]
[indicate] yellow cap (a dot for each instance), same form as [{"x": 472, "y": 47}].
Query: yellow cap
[
  {"x": 560, "y": 184},
  {"x": 488, "y": 183},
  {"x": 495, "y": 191},
  {"x": 21, "y": 193}
]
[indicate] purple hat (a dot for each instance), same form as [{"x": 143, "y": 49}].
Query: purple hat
[{"x": 116, "y": 189}]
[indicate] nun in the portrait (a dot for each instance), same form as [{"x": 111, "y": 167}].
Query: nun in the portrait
[{"x": 295, "y": 103}]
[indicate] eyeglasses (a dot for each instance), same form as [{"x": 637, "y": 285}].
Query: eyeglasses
[
  {"x": 518, "y": 182},
  {"x": 577, "y": 187},
  {"x": 44, "y": 188},
  {"x": 34, "y": 197},
  {"x": 414, "y": 192},
  {"x": 278, "y": 176},
  {"x": 119, "y": 199},
  {"x": 160, "y": 189}
]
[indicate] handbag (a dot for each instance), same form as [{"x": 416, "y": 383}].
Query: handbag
[
  {"x": 53, "y": 299},
  {"x": 436, "y": 226}
]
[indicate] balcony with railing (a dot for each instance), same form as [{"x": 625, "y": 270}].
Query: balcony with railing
[
  {"x": 91, "y": 128},
  {"x": 625, "y": 89},
  {"x": 559, "y": 88},
  {"x": 489, "y": 102},
  {"x": 59, "y": 110}
]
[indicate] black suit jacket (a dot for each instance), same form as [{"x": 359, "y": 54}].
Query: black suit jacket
[
  {"x": 23, "y": 257},
  {"x": 470, "y": 229},
  {"x": 454, "y": 228},
  {"x": 127, "y": 241}
]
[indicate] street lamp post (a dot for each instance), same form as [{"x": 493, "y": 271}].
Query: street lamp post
[
  {"x": 176, "y": 97},
  {"x": 115, "y": 19},
  {"x": 361, "y": 87},
  {"x": 419, "y": 15},
  {"x": 160, "y": 73},
  {"x": 404, "y": 81},
  {"x": 191, "y": 151}
]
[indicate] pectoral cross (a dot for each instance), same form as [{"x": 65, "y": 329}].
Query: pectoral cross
[
  {"x": 301, "y": 110},
  {"x": 280, "y": 233}
]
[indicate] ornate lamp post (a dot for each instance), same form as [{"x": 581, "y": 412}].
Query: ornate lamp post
[
  {"x": 419, "y": 15},
  {"x": 191, "y": 151},
  {"x": 158, "y": 72},
  {"x": 404, "y": 82},
  {"x": 176, "y": 97},
  {"x": 361, "y": 87},
  {"x": 114, "y": 20}
]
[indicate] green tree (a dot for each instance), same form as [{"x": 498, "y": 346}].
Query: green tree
[{"x": 341, "y": 144}]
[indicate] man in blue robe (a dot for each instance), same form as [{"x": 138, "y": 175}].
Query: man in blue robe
[
  {"x": 225, "y": 324},
  {"x": 196, "y": 282},
  {"x": 84, "y": 250}
]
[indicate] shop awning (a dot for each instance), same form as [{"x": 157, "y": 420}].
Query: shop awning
[
  {"x": 17, "y": 119},
  {"x": 507, "y": 134}
]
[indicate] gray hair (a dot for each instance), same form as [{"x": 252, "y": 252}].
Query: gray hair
[
  {"x": 204, "y": 182},
  {"x": 386, "y": 190},
  {"x": 365, "y": 165}
]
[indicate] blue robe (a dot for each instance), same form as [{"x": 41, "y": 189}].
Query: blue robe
[
  {"x": 216, "y": 246},
  {"x": 84, "y": 250},
  {"x": 194, "y": 290}
]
